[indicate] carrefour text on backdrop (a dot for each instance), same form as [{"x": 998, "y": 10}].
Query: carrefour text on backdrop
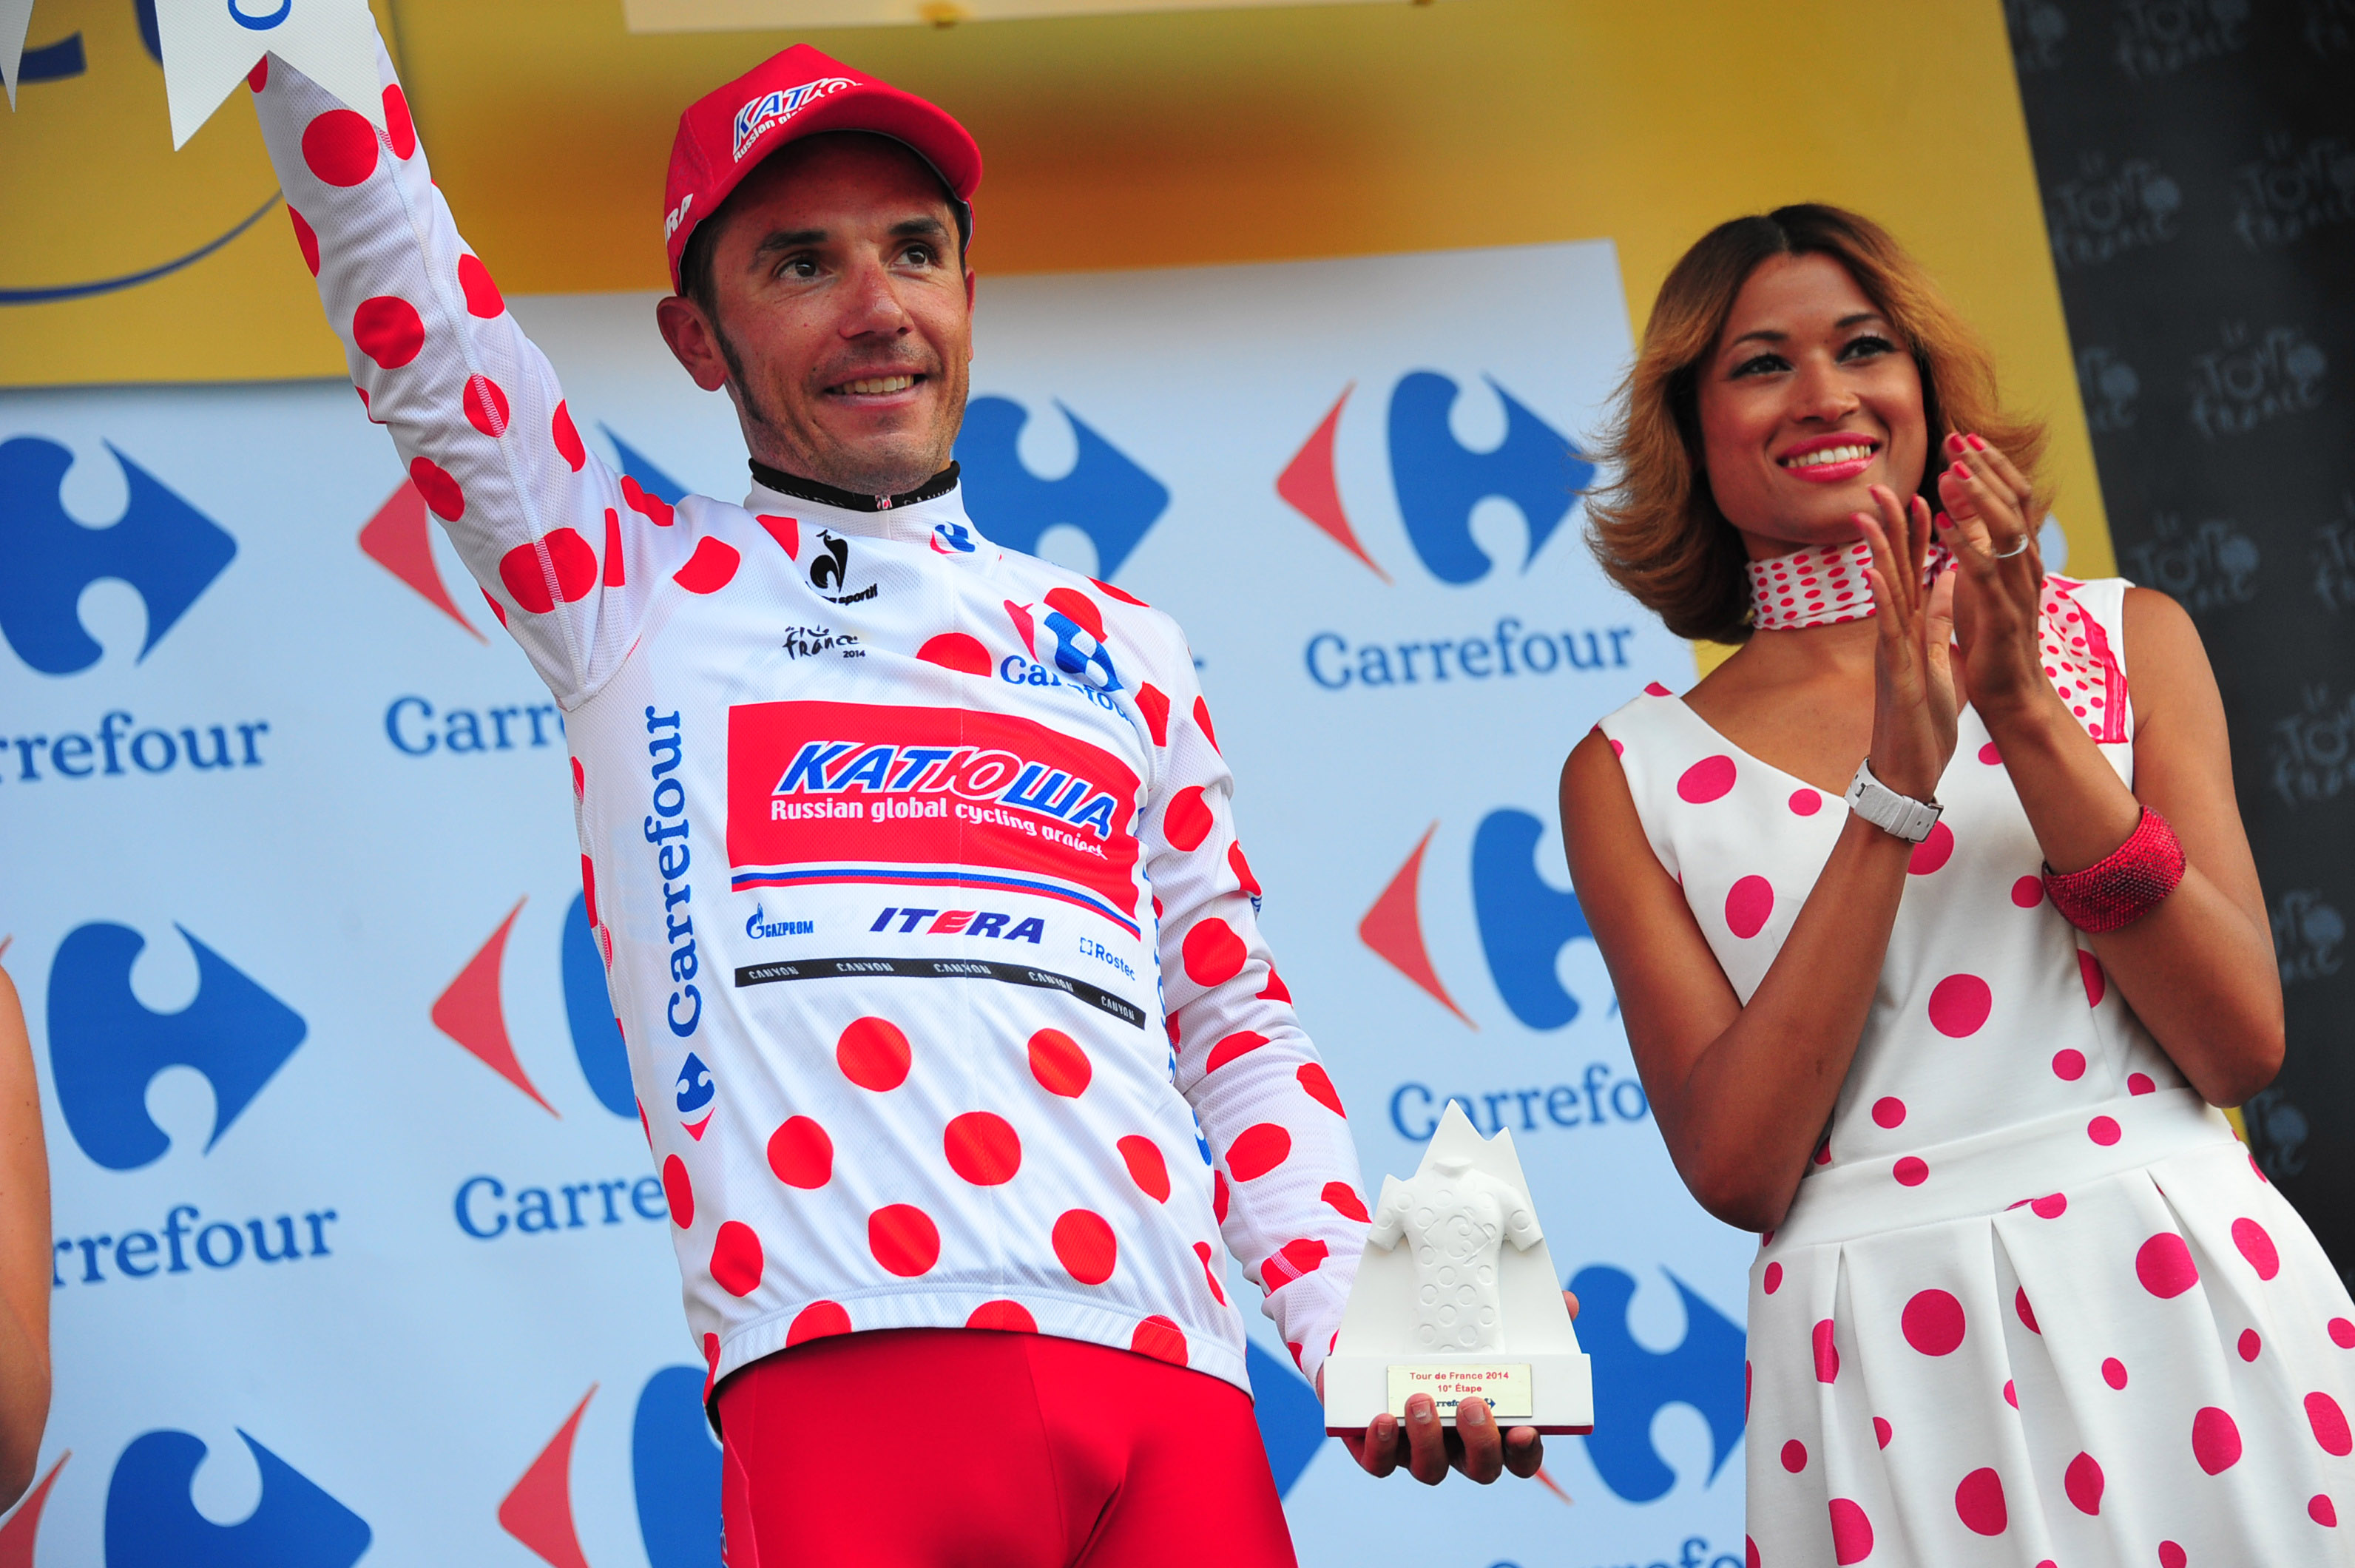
[{"x": 1335, "y": 662}]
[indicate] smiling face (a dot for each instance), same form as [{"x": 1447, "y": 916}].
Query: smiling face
[
  {"x": 841, "y": 316},
  {"x": 1807, "y": 400}
]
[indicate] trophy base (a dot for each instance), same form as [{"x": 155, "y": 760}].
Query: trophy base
[{"x": 1552, "y": 1391}]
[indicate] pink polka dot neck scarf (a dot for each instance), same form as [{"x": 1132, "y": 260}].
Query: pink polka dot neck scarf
[{"x": 1827, "y": 587}]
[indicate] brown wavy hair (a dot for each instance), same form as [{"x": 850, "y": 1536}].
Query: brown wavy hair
[{"x": 1655, "y": 527}]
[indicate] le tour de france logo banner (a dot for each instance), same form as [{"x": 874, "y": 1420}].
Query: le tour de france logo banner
[{"x": 341, "y": 1129}]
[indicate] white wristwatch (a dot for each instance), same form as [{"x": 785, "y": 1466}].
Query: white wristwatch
[{"x": 1893, "y": 813}]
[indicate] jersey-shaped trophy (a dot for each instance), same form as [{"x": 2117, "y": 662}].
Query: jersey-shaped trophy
[{"x": 1456, "y": 1296}]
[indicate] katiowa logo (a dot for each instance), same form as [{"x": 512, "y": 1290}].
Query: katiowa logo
[
  {"x": 106, "y": 1046},
  {"x": 1105, "y": 496},
  {"x": 400, "y": 537},
  {"x": 1438, "y": 481},
  {"x": 165, "y": 549},
  {"x": 470, "y": 1011},
  {"x": 1524, "y": 920}
]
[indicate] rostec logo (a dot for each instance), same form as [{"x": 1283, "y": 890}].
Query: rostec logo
[
  {"x": 152, "y": 1522},
  {"x": 1633, "y": 1384},
  {"x": 1524, "y": 922},
  {"x": 1105, "y": 496},
  {"x": 775, "y": 108},
  {"x": 1438, "y": 481},
  {"x": 849, "y": 793},
  {"x": 106, "y": 1048},
  {"x": 166, "y": 550}
]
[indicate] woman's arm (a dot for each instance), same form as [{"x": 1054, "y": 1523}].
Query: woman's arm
[
  {"x": 24, "y": 1256},
  {"x": 2199, "y": 970},
  {"x": 1742, "y": 1093}
]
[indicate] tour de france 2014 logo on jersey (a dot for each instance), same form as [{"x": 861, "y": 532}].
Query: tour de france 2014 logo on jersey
[
  {"x": 845, "y": 793},
  {"x": 808, "y": 642},
  {"x": 773, "y": 108}
]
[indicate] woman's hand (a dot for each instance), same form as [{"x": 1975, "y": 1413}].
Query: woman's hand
[
  {"x": 1913, "y": 686},
  {"x": 1999, "y": 575}
]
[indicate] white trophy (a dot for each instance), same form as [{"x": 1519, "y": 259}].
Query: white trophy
[{"x": 1457, "y": 1296}]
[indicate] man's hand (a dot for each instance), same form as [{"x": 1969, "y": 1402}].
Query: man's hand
[{"x": 1430, "y": 1450}]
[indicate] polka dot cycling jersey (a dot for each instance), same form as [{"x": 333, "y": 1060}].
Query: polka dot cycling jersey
[
  {"x": 2032, "y": 1303},
  {"x": 912, "y": 860}
]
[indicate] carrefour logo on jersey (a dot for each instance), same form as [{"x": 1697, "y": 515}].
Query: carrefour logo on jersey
[
  {"x": 1438, "y": 483},
  {"x": 852, "y": 792}
]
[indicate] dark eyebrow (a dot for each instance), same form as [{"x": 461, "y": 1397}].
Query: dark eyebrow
[
  {"x": 1843, "y": 324},
  {"x": 928, "y": 227},
  {"x": 787, "y": 240}
]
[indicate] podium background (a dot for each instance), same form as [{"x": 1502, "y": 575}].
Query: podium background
[{"x": 394, "y": 1006}]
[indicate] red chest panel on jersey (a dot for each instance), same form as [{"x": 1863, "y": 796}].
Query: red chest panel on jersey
[{"x": 850, "y": 792}]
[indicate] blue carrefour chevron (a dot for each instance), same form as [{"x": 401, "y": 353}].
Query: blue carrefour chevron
[
  {"x": 1524, "y": 920},
  {"x": 166, "y": 550},
  {"x": 1438, "y": 482},
  {"x": 152, "y": 1522},
  {"x": 675, "y": 1470},
  {"x": 1631, "y": 1383},
  {"x": 640, "y": 467},
  {"x": 105, "y": 1047},
  {"x": 589, "y": 1013},
  {"x": 1291, "y": 1421},
  {"x": 1105, "y": 496}
]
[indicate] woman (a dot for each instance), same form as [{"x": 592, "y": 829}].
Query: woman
[{"x": 2022, "y": 1298}]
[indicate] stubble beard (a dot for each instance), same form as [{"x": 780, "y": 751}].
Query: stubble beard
[{"x": 808, "y": 454}]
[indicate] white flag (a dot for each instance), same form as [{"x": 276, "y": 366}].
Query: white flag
[
  {"x": 210, "y": 45},
  {"x": 16, "y": 16}
]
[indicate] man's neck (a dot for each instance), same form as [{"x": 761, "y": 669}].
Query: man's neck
[{"x": 824, "y": 495}]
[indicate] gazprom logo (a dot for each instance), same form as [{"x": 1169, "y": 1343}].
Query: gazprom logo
[{"x": 777, "y": 108}]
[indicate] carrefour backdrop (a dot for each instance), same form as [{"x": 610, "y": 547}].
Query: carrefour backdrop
[{"x": 359, "y": 1255}]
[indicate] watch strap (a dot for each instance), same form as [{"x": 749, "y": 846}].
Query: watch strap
[{"x": 1900, "y": 816}]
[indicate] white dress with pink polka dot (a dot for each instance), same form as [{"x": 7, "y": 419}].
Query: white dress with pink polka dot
[{"x": 2033, "y": 1305}]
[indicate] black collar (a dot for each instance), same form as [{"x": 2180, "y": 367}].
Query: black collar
[{"x": 785, "y": 484}]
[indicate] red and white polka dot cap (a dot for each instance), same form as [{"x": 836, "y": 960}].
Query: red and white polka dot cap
[{"x": 725, "y": 133}]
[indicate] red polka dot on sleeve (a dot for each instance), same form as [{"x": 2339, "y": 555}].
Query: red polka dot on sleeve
[
  {"x": 483, "y": 296},
  {"x": 340, "y": 147},
  {"x": 388, "y": 330},
  {"x": 306, "y": 239},
  {"x": 400, "y": 129},
  {"x": 486, "y": 405}
]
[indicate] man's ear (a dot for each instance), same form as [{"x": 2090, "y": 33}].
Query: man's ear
[{"x": 694, "y": 340}]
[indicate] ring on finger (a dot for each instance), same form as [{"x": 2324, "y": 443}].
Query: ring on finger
[{"x": 2016, "y": 546}]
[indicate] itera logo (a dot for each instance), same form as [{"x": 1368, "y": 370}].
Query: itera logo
[
  {"x": 1105, "y": 496},
  {"x": 1524, "y": 920},
  {"x": 1438, "y": 481},
  {"x": 400, "y": 537},
  {"x": 470, "y": 1012},
  {"x": 106, "y": 1047},
  {"x": 152, "y": 1522},
  {"x": 163, "y": 548}
]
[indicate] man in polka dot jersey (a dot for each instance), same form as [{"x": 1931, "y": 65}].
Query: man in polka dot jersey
[{"x": 912, "y": 859}]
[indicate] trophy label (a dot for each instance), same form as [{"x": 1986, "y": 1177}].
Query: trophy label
[{"x": 1504, "y": 1386}]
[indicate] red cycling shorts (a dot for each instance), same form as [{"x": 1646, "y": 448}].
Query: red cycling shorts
[{"x": 968, "y": 1449}]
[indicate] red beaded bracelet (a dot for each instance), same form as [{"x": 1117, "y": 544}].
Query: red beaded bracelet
[{"x": 2124, "y": 885}]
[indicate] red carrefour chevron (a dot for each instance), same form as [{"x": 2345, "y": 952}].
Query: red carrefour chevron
[{"x": 897, "y": 901}]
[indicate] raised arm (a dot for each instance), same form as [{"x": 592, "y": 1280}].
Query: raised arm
[
  {"x": 567, "y": 553},
  {"x": 1291, "y": 1206}
]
